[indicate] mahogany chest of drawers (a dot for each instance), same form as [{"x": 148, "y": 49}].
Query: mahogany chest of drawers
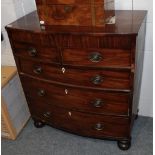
[{"x": 82, "y": 79}]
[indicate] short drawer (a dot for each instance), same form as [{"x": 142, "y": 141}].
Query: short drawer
[
  {"x": 96, "y": 78},
  {"x": 98, "y": 126},
  {"x": 37, "y": 53},
  {"x": 97, "y": 57},
  {"x": 86, "y": 39},
  {"x": 35, "y": 39},
  {"x": 86, "y": 100}
]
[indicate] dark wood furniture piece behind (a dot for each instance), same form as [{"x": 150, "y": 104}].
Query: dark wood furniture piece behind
[
  {"x": 75, "y": 12},
  {"x": 82, "y": 79}
]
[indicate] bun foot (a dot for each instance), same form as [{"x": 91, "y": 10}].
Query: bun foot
[
  {"x": 39, "y": 124},
  {"x": 136, "y": 116},
  {"x": 124, "y": 144}
]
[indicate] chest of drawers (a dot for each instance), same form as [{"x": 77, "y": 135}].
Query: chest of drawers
[{"x": 82, "y": 79}]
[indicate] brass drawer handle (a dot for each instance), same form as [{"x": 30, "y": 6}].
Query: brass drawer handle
[
  {"x": 97, "y": 103},
  {"x": 95, "y": 57},
  {"x": 99, "y": 127},
  {"x": 41, "y": 92},
  {"x": 97, "y": 79},
  {"x": 47, "y": 114},
  {"x": 32, "y": 52},
  {"x": 37, "y": 70}
]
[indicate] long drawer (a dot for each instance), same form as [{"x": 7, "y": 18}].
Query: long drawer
[
  {"x": 81, "y": 123},
  {"x": 97, "y": 78},
  {"x": 85, "y": 100}
]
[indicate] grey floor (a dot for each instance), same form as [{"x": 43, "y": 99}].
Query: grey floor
[{"x": 50, "y": 141}]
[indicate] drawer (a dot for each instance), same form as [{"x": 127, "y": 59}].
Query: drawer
[
  {"x": 35, "y": 39},
  {"x": 86, "y": 100},
  {"x": 32, "y": 51},
  {"x": 98, "y": 126},
  {"x": 97, "y": 42},
  {"x": 96, "y": 78},
  {"x": 73, "y": 14},
  {"x": 97, "y": 57}
]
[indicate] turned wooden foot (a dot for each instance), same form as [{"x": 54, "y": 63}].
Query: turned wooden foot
[
  {"x": 38, "y": 124},
  {"x": 136, "y": 116},
  {"x": 124, "y": 144}
]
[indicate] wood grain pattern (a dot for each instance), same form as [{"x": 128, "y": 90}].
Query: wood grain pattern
[
  {"x": 109, "y": 57},
  {"x": 75, "y": 12},
  {"x": 41, "y": 2},
  {"x": 77, "y": 98},
  {"x": 72, "y": 14},
  {"x": 65, "y": 86},
  {"x": 113, "y": 79},
  {"x": 127, "y": 23},
  {"x": 35, "y": 52},
  {"x": 81, "y": 123}
]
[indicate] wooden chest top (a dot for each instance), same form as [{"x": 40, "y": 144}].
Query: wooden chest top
[{"x": 127, "y": 22}]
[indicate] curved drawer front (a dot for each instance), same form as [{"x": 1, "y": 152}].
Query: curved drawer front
[
  {"x": 86, "y": 100},
  {"x": 97, "y": 57},
  {"x": 37, "y": 53},
  {"x": 99, "y": 78},
  {"x": 80, "y": 123}
]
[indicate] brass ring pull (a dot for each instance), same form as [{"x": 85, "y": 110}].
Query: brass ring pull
[
  {"x": 95, "y": 57},
  {"x": 99, "y": 127},
  {"x": 32, "y": 52},
  {"x": 97, "y": 103},
  {"x": 97, "y": 79},
  {"x": 41, "y": 92},
  {"x": 47, "y": 114},
  {"x": 37, "y": 70}
]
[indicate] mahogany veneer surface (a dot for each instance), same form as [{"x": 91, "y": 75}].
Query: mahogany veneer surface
[{"x": 81, "y": 79}]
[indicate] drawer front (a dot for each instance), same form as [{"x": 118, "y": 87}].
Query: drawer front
[
  {"x": 97, "y": 57},
  {"x": 98, "y": 78},
  {"x": 96, "y": 42},
  {"x": 86, "y": 100},
  {"x": 35, "y": 39},
  {"x": 34, "y": 52},
  {"x": 84, "y": 124}
]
